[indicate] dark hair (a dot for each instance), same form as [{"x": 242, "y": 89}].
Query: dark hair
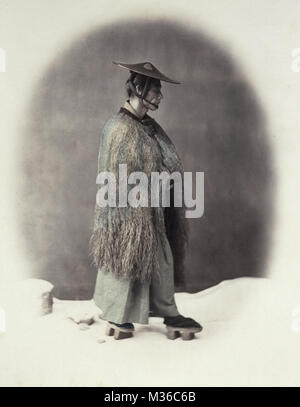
[{"x": 139, "y": 79}]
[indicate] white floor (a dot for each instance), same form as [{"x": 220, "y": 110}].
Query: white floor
[{"x": 250, "y": 338}]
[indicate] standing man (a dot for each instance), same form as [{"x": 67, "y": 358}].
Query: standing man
[{"x": 139, "y": 251}]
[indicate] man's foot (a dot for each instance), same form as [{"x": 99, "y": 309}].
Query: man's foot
[
  {"x": 126, "y": 325},
  {"x": 120, "y": 331},
  {"x": 179, "y": 321},
  {"x": 181, "y": 326}
]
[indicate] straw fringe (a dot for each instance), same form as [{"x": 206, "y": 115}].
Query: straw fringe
[
  {"x": 124, "y": 241},
  {"x": 127, "y": 247}
]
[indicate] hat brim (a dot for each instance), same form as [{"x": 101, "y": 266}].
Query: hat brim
[{"x": 153, "y": 73}]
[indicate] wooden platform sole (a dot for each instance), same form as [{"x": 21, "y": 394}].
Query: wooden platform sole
[
  {"x": 186, "y": 334},
  {"x": 117, "y": 332}
]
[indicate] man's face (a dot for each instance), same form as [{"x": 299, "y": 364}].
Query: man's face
[{"x": 154, "y": 95}]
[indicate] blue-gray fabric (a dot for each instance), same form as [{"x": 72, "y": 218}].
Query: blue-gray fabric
[{"x": 123, "y": 300}]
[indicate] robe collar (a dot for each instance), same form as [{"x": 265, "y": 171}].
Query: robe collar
[{"x": 127, "y": 109}]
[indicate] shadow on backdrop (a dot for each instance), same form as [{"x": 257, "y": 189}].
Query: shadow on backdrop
[{"x": 214, "y": 119}]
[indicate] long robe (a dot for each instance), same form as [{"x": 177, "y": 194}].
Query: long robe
[
  {"x": 131, "y": 245},
  {"x": 123, "y": 300}
]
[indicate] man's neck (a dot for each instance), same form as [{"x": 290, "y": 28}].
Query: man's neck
[{"x": 135, "y": 108}]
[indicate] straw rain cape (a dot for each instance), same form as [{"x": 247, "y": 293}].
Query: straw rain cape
[{"x": 124, "y": 240}]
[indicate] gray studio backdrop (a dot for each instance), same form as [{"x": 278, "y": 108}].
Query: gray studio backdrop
[{"x": 214, "y": 119}]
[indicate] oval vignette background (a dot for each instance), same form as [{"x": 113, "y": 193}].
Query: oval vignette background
[{"x": 213, "y": 118}]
